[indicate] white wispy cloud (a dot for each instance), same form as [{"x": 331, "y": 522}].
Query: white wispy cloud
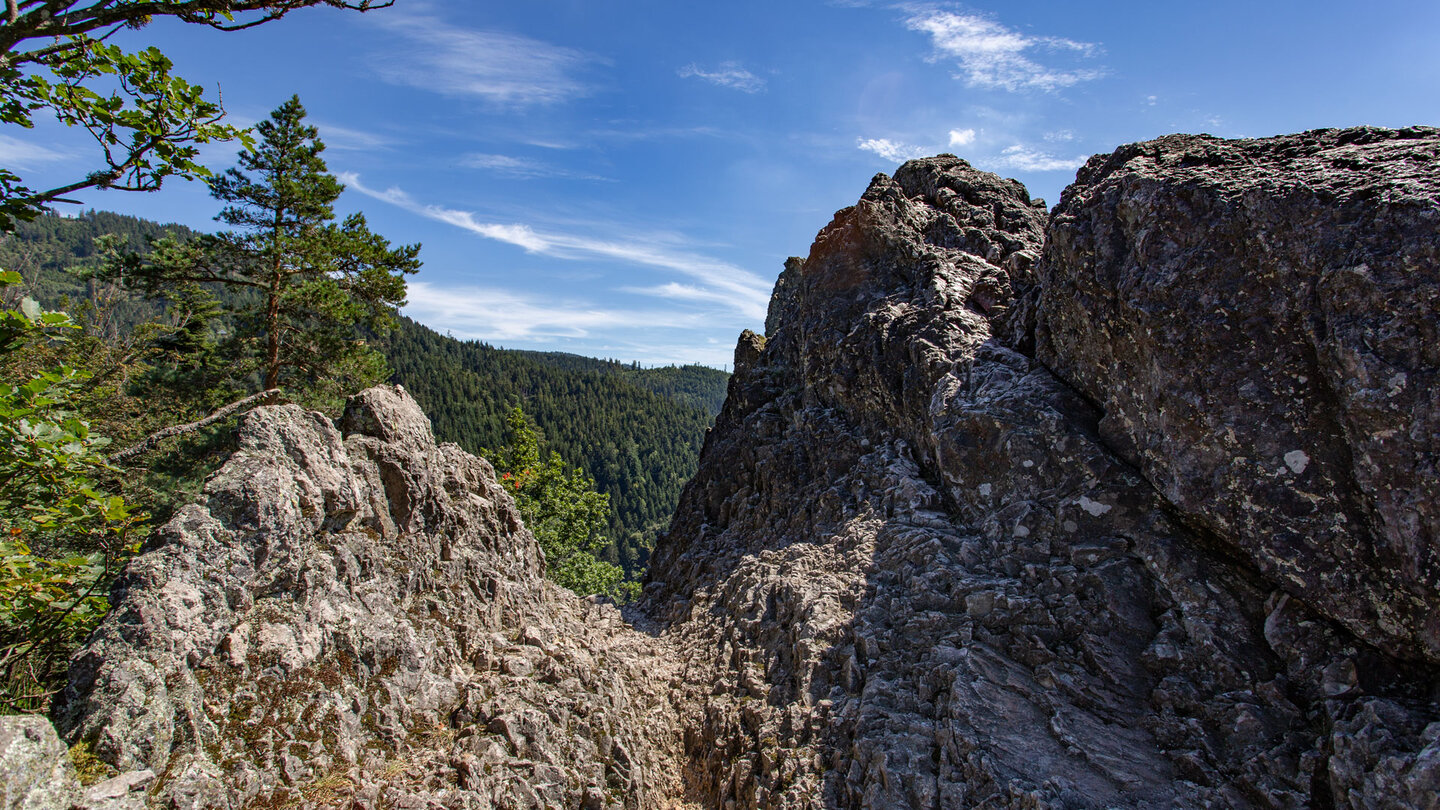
[
  {"x": 683, "y": 292},
  {"x": 1027, "y": 159},
  {"x": 1060, "y": 136},
  {"x": 345, "y": 139},
  {"x": 19, "y": 154},
  {"x": 502, "y": 68},
  {"x": 739, "y": 289},
  {"x": 489, "y": 313},
  {"x": 627, "y": 131},
  {"x": 522, "y": 168},
  {"x": 551, "y": 143},
  {"x": 652, "y": 336},
  {"x": 891, "y": 150},
  {"x": 993, "y": 56},
  {"x": 962, "y": 137},
  {"x": 726, "y": 74}
]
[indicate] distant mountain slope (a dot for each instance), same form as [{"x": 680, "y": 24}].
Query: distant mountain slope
[
  {"x": 636, "y": 431},
  {"x": 45, "y": 250},
  {"x": 58, "y": 243},
  {"x": 698, "y": 386}
]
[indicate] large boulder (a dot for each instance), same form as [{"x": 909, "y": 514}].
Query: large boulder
[{"x": 1259, "y": 321}]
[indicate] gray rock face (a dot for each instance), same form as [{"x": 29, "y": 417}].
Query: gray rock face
[
  {"x": 35, "y": 773},
  {"x": 1260, "y": 322},
  {"x": 922, "y": 566},
  {"x": 357, "y": 615}
]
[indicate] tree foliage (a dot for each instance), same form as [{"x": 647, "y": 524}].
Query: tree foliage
[
  {"x": 62, "y": 537},
  {"x": 560, "y": 507},
  {"x": 313, "y": 282},
  {"x": 146, "y": 122}
]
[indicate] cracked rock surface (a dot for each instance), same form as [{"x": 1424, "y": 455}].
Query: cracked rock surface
[
  {"x": 1001, "y": 519},
  {"x": 356, "y": 615},
  {"x": 1128, "y": 505},
  {"x": 1258, "y": 321}
]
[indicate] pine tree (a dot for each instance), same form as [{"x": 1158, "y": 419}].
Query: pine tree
[{"x": 313, "y": 284}]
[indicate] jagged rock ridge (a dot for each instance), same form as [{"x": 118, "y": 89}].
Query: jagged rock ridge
[
  {"x": 1130, "y": 506},
  {"x": 1001, "y": 520},
  {"x": 358, "y": 615}
]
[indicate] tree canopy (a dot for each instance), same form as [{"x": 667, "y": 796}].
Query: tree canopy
[
  {"x": 313, "y": 282},
  {"x": 146, "y": 122}
]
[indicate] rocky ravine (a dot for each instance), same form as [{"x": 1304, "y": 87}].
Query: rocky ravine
[{"x": 1132, "y": 505}]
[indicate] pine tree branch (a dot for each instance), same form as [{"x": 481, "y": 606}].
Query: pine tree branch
[{"x": 179, "y": 430}]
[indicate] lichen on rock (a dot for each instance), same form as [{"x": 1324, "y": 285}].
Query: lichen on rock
[
  {"x": 358, "y": 613},
  {"x": 1257, "y": 319}
]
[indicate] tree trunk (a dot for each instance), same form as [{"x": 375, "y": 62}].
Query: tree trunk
[{"x": 272, "y": 313}]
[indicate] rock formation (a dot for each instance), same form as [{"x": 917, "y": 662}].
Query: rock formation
[
  {"x": 1269, "y": 309},
  {"x": 357, "y": 615},
  {"x": 1131, "y": 504},
  {"x": 37, "y": 773},
  {"x": 1136, "y": 512}
]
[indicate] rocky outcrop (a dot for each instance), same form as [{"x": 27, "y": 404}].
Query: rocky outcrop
[
  {"x": 1128, "y": 505},
  {"x": 37, "y": 773},
  {"x": 1258, "y": 322},
  {"x": 356, "y": 615},
  {"x": 995, "y": 520}
]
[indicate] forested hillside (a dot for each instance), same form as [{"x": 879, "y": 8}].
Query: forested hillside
[
  {"x": 636, "y": 431},
  {"x": 42, "y": 250},
  {"x": 697, "y": 386}
]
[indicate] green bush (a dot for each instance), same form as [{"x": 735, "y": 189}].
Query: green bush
[{"x": 61, "y": 537}]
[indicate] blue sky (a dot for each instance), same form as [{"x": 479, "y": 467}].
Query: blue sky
[{"x": 625, "y": 179}]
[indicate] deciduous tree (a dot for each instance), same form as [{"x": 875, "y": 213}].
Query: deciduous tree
[
  {"x": 146, "y": 122},
  {"x": 61, "y": 537},
  {"x": 561, "y": 508}
]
